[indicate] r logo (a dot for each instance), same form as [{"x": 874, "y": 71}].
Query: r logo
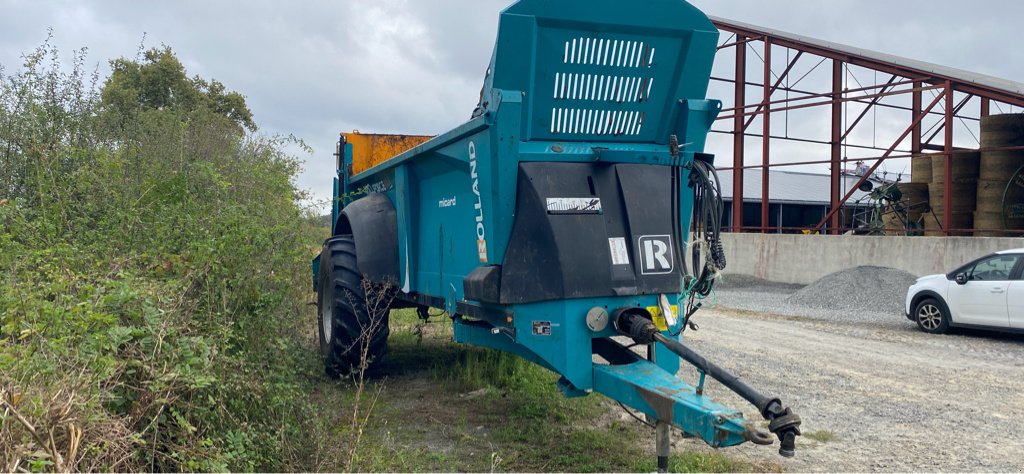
[{"x": 656, "y": 256}]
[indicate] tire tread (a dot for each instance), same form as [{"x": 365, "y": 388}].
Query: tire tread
[{"x": 341, "y": 353}]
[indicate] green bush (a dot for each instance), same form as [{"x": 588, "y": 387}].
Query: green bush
[{"x": 153, "y": 275}]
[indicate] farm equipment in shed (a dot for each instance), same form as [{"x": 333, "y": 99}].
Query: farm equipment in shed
[{"x": 559, "y": 217}]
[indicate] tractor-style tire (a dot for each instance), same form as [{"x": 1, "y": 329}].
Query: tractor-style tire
[{"x": 346, "y": 327}]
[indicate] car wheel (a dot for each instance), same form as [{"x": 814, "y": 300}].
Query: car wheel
[{"x": 931, "y": 316}]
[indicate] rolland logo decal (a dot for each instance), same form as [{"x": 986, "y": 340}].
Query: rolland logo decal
[{"x": 481, "y": 231}]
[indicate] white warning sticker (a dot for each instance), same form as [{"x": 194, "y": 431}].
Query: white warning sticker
[
  {"x": 574, "y": 206},
  {"x": 620, "y": 255}
]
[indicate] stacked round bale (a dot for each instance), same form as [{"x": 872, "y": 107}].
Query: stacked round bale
[
  {"x": 964, "y": 174},
  {"x": 905, "y": 217},
  {"x": 921, "y": 169},
  {"x": 1000, "y": 198}
]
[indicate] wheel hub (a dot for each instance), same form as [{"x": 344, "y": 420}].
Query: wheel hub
[
  {"x": 327, "y": 321},
  {"x": 930, "y": 317}
]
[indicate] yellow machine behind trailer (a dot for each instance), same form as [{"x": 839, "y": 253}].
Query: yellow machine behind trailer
[{"x": 372, "y": 149}]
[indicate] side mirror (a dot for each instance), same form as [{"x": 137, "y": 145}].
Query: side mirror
[{"x": 961, "y": 278}]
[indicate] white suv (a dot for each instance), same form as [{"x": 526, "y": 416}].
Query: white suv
[{"x": 987, "y": 293}]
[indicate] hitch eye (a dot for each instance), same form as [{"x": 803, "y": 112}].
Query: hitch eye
[{"x": 758, "y": 437}]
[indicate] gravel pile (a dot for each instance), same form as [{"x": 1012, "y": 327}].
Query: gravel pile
[
  {"x": 867, "y": 288},
  {"x": 863, "y": 295}
]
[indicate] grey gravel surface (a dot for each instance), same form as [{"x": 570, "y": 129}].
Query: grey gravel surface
[{"x": 893, "y": 398}]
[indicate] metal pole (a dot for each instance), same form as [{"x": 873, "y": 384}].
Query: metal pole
[
  {"x": 766, "y": 138},
  {"x": 837, "y": 150},
  {"x": 947, "y": 215},
  {"x": 915, "y": 137},
  {"x": 738, "y": 138},
  {"x": 986, "y": 107}
]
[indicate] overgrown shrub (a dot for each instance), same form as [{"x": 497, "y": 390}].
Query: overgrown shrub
[{"x": 153, "y": 274}]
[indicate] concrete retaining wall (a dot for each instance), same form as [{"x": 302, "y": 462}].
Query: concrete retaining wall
[{"x": 806, "y": 258}]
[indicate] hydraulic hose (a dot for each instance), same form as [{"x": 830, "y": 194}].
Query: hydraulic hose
[
  {"x": 707, "y": 253},
  {"x": 723, "y": 376},
  {"x": 782, "y": 421}
]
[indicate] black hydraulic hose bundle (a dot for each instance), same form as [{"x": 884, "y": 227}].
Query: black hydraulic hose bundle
[
  {"x": 707, "y": 218},
  {"x": 707, "y": 254}
]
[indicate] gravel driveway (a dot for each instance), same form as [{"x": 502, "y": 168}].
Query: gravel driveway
[{"x": 893, "y": 398}]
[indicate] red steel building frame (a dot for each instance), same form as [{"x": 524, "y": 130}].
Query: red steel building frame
[{"x": 907, "y": 77}]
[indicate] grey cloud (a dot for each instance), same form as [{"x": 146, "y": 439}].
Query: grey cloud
[{"x": 316, "y": 67}]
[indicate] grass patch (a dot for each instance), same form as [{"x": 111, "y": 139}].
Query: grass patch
[
  {"x": 704, "y": 462},
  {"x": 449, "y": 407}
]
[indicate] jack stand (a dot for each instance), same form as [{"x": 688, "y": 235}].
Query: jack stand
[{"x": 662, "y": 441}]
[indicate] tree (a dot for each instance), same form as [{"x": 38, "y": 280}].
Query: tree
[{"x": 159, "y": 82}]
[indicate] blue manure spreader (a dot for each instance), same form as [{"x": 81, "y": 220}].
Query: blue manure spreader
[{"x": 573, "y": 216}]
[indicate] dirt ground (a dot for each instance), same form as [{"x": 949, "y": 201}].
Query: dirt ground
[{"x": 878, "y": 398}]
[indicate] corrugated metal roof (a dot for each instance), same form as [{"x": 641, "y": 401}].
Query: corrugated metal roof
[
  {"x": 960, "y": 75},
  {"x": 788, "y": 187}
]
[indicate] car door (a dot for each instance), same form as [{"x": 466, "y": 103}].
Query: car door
[
  {"x": 982, "y": 300},
  {"x": 1015, "y": 298}
]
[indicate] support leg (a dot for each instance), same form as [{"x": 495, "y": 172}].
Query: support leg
[{"x": 663, "y": 441}]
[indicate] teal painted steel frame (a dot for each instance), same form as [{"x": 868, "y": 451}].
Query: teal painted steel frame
[
  {"x": 657, "y": 393},
  {"x": 455, "y": 195}
]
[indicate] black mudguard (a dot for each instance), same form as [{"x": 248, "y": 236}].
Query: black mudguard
[{"x": 373, "y": 223}]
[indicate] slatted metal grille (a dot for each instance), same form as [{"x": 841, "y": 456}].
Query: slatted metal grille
[{"x": 598, "y": 80}]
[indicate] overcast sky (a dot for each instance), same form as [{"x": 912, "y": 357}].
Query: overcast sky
[{"x": 313, "y": 68}]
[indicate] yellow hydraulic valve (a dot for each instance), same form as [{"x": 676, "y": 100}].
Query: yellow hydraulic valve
[{"x": 371, "y": 149}]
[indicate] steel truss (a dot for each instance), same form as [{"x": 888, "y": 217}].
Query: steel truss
[{"x": 949, "y": 96}]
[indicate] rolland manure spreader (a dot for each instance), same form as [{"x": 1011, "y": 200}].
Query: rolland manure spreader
[{"x": 575, "y": 206}]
